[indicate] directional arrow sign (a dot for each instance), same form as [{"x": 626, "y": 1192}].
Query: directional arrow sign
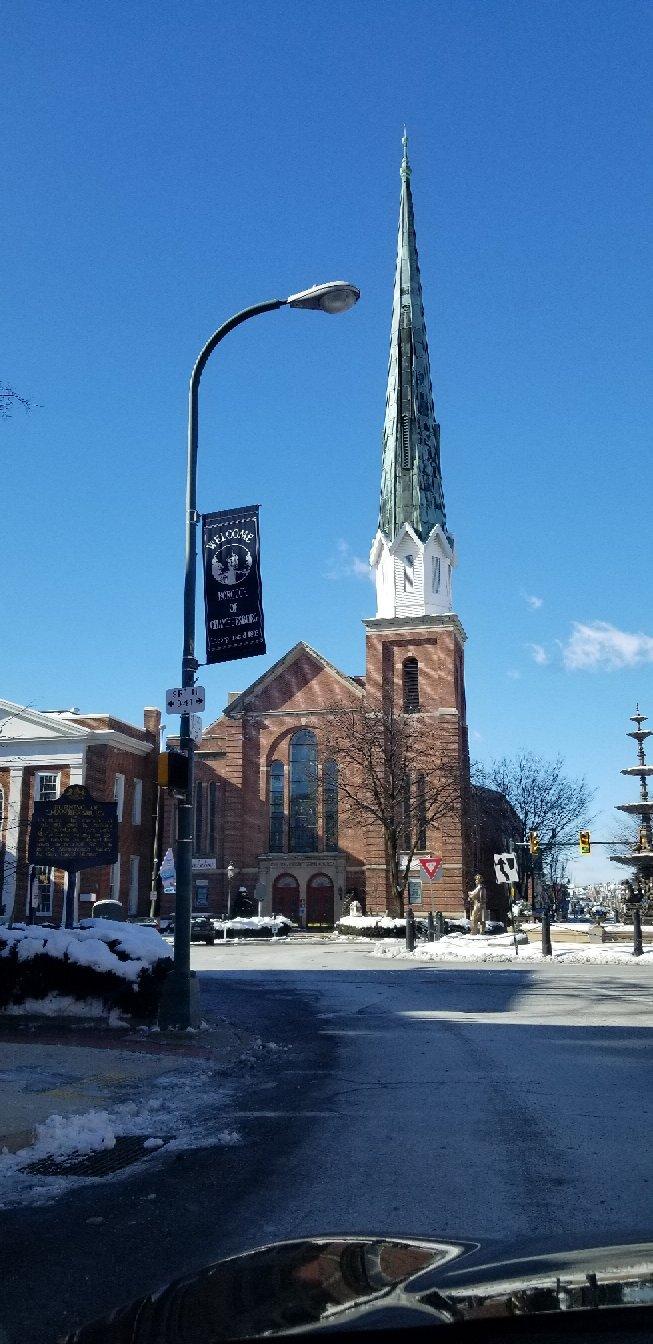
[
  {"x": 185, "y": 699},
  {"x": 505, "y": 867}
]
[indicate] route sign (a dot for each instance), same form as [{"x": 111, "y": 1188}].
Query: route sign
[
  {"x": 505, "y": 867},
  {"x": 185, "y": 699},
  {"x": 196, "y": 728}
]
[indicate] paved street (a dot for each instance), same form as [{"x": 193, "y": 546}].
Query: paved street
[{"x": 504, "y": 1104}]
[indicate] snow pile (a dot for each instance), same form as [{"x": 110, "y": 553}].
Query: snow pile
[
  {"x": 501, "y": 948},
  {"x": 101, "y": 959},
  {"x": 62, "y": 1136},
  {"x": 371, "y": 922},
  {"x": 258, "y": 926},
  {"x": 62, "y": 1005}
]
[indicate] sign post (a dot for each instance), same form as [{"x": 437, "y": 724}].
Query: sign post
[
  {"x": 506, "y": 871},
  {"x": 71, "y": 832}
]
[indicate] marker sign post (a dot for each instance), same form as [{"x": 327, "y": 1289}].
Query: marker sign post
[
  {"x": 506, "y": 871},
  {"x": 72, "y": 832}
]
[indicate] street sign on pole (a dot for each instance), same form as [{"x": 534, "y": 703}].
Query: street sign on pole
[
  {"x": 185, "y": 699},
  {"x": 505, "y": 867},
  {"x": 432, "y": 866},
  {"x": 196, "y": 728}
]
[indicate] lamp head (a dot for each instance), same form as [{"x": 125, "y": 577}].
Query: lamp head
[{"x": 335, "y": 297}]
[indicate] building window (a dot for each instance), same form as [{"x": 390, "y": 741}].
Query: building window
[
  {"x": 114, "y": 887},
  {"x": 213, "y": 796},
  {"x": 330, "y": 796},
  {"x": 411, "y": 686},
  {"x": 436, "y": 572},
  {"x": 47, "y": 787},
  {"x": 421, "y": 812},
  {"x": 42, "y": 890},
  {"x": 407, "y": 815},
  {"x": 133, "y": 884},
  {"x": 199, "y": 815},
  {"x": 137, "y": 802},
  {"x": 119, "y": 793},
  {"x": 276, "y": 807},
  {"x": 303, "y": 792},
  {"x": 409, "y": 573}
]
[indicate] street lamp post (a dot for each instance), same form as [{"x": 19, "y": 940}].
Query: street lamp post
[
  {"x": 231, "y": 873},
  {"x": 179, "y": 1005}
]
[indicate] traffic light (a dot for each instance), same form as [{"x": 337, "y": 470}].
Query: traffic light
[
  {"x": 173, "y": 771},
  {"x": 534, "y": 842},
  {"x": 584, "y": 842}
]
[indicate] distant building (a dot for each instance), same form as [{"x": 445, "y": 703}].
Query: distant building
[
  {"x": 266, "y": 793},
  {"x": 41, "y": 753}
]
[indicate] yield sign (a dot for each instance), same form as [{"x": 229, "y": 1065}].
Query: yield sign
[{"x": 432, "y": 867}]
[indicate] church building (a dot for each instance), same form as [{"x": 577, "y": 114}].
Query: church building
[{"x": 269, "y": 825}]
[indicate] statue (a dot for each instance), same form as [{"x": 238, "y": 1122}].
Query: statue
[{"x": 478, "y": 897}]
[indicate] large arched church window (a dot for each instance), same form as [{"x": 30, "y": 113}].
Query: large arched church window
[
  {"x": 411, "y": 686},
  {"x": 330, "y": 794},
  {"x": 276, "y": 807},
  {"x": 303, "y": 791}
]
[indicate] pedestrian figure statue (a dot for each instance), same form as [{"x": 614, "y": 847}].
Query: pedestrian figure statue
[{"x": 478, "y": 897}]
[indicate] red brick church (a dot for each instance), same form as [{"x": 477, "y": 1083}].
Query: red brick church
[{"x": 266, "y": 793}]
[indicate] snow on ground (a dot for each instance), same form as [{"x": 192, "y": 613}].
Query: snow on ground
[
  {"x": 62, "y": 1005},
  {"x": 181, "y": 1104},
  {"x": 257, "y": 922},
  {"x": 501, "y": 948}
]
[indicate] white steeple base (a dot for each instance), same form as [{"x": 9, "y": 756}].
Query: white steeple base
[{"x": 413, "y": 578}]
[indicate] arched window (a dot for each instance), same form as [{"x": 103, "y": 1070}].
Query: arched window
[
  {"x": 330, "y": 794},
  {"x": 411, "y": 686},
  {"x": 303, "y": 792},
  {"x": 276, "y": 807}
]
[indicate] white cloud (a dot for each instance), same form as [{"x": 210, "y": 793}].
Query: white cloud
[
  {"x": 345, "y": 564},
  {"x": 538, "y": 653},
  {"x": 513, "y": 674},
  {"x": 533, "y": 601},
  {"x": 600, "y": 646}
]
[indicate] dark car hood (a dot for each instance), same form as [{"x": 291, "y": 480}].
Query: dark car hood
[{"x": 346, "y": 1283}]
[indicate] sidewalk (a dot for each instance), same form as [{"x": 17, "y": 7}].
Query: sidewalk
[{"x": 70, "y": 1088}]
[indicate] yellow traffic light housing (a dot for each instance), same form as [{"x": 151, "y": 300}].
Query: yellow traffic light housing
[
  {"x": 172, "y": 772},
  {"x": 584, "y": 844},
  {"x": 534, "y": 842}
]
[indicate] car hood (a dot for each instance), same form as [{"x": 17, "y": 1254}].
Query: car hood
[{"x": 344, "y": 1283}]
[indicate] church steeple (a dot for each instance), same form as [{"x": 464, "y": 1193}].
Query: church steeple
[{"x": 412, "y": 498}]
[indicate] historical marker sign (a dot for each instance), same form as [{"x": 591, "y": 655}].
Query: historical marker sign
[
  {"x": 73, "y": 831},
  {"x": 233, "y": 599}
]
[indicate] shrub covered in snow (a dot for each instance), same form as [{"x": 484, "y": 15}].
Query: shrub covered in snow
[
  {"x": 259, "y": 926},
  {"x": 371, "y": 926},
  {"x": 122, "y": 966}
]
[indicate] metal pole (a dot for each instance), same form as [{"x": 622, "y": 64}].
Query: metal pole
[
  {"x": 638, "y": 946},
  {"x": 410, "y": 930},
  {"x": 177, "y": 1008},
  {"x": 547, "y": 950},
  {"x": 430, "y": 926}
]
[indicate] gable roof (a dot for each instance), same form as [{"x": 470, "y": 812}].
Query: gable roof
[
  {"x": 53, "y": 724},
  {"x": 238, "y": 705}
]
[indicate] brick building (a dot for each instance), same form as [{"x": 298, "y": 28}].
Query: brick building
[
  {"x": 41, "y": 753},
  {"x": 266, "y": 792}
]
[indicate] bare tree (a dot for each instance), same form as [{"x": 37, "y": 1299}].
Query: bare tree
[
  {"x": 388, "y": 782},
  {"x": 545, "y": 799},
  {"x": 8, "y": 399}
]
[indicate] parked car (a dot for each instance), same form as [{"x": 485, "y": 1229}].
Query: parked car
[{"x": 202, "y": 928}]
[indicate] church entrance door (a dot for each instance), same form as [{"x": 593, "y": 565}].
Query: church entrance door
[
  {"x": 285, "y": 897},
  {"x": 319, "y": 902}
]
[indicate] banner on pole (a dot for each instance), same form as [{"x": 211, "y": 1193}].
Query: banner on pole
[{"x": 233, "y": 602}]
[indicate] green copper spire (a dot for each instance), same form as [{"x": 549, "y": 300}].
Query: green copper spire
[{"x": 411, "y": 481}]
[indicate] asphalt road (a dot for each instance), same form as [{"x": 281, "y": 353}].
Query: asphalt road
[{"x": 512, "y": 1106}]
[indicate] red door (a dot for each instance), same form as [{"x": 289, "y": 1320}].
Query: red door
[
  {"x": 319, "y": 901},
  {"x": 285, "y": 897}
]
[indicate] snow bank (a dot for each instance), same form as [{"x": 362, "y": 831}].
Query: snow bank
[
  {"x": 501, "y": 948},
  {"x": 371, "y": 922}
]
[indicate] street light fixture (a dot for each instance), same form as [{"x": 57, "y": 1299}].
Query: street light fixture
[{"x": 180, "y": 1003}]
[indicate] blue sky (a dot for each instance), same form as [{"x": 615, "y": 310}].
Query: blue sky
[{"x": 167, "y": 165}]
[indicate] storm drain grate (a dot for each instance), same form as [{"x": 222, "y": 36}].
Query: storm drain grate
[{"x": 127, "y": 1149}]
